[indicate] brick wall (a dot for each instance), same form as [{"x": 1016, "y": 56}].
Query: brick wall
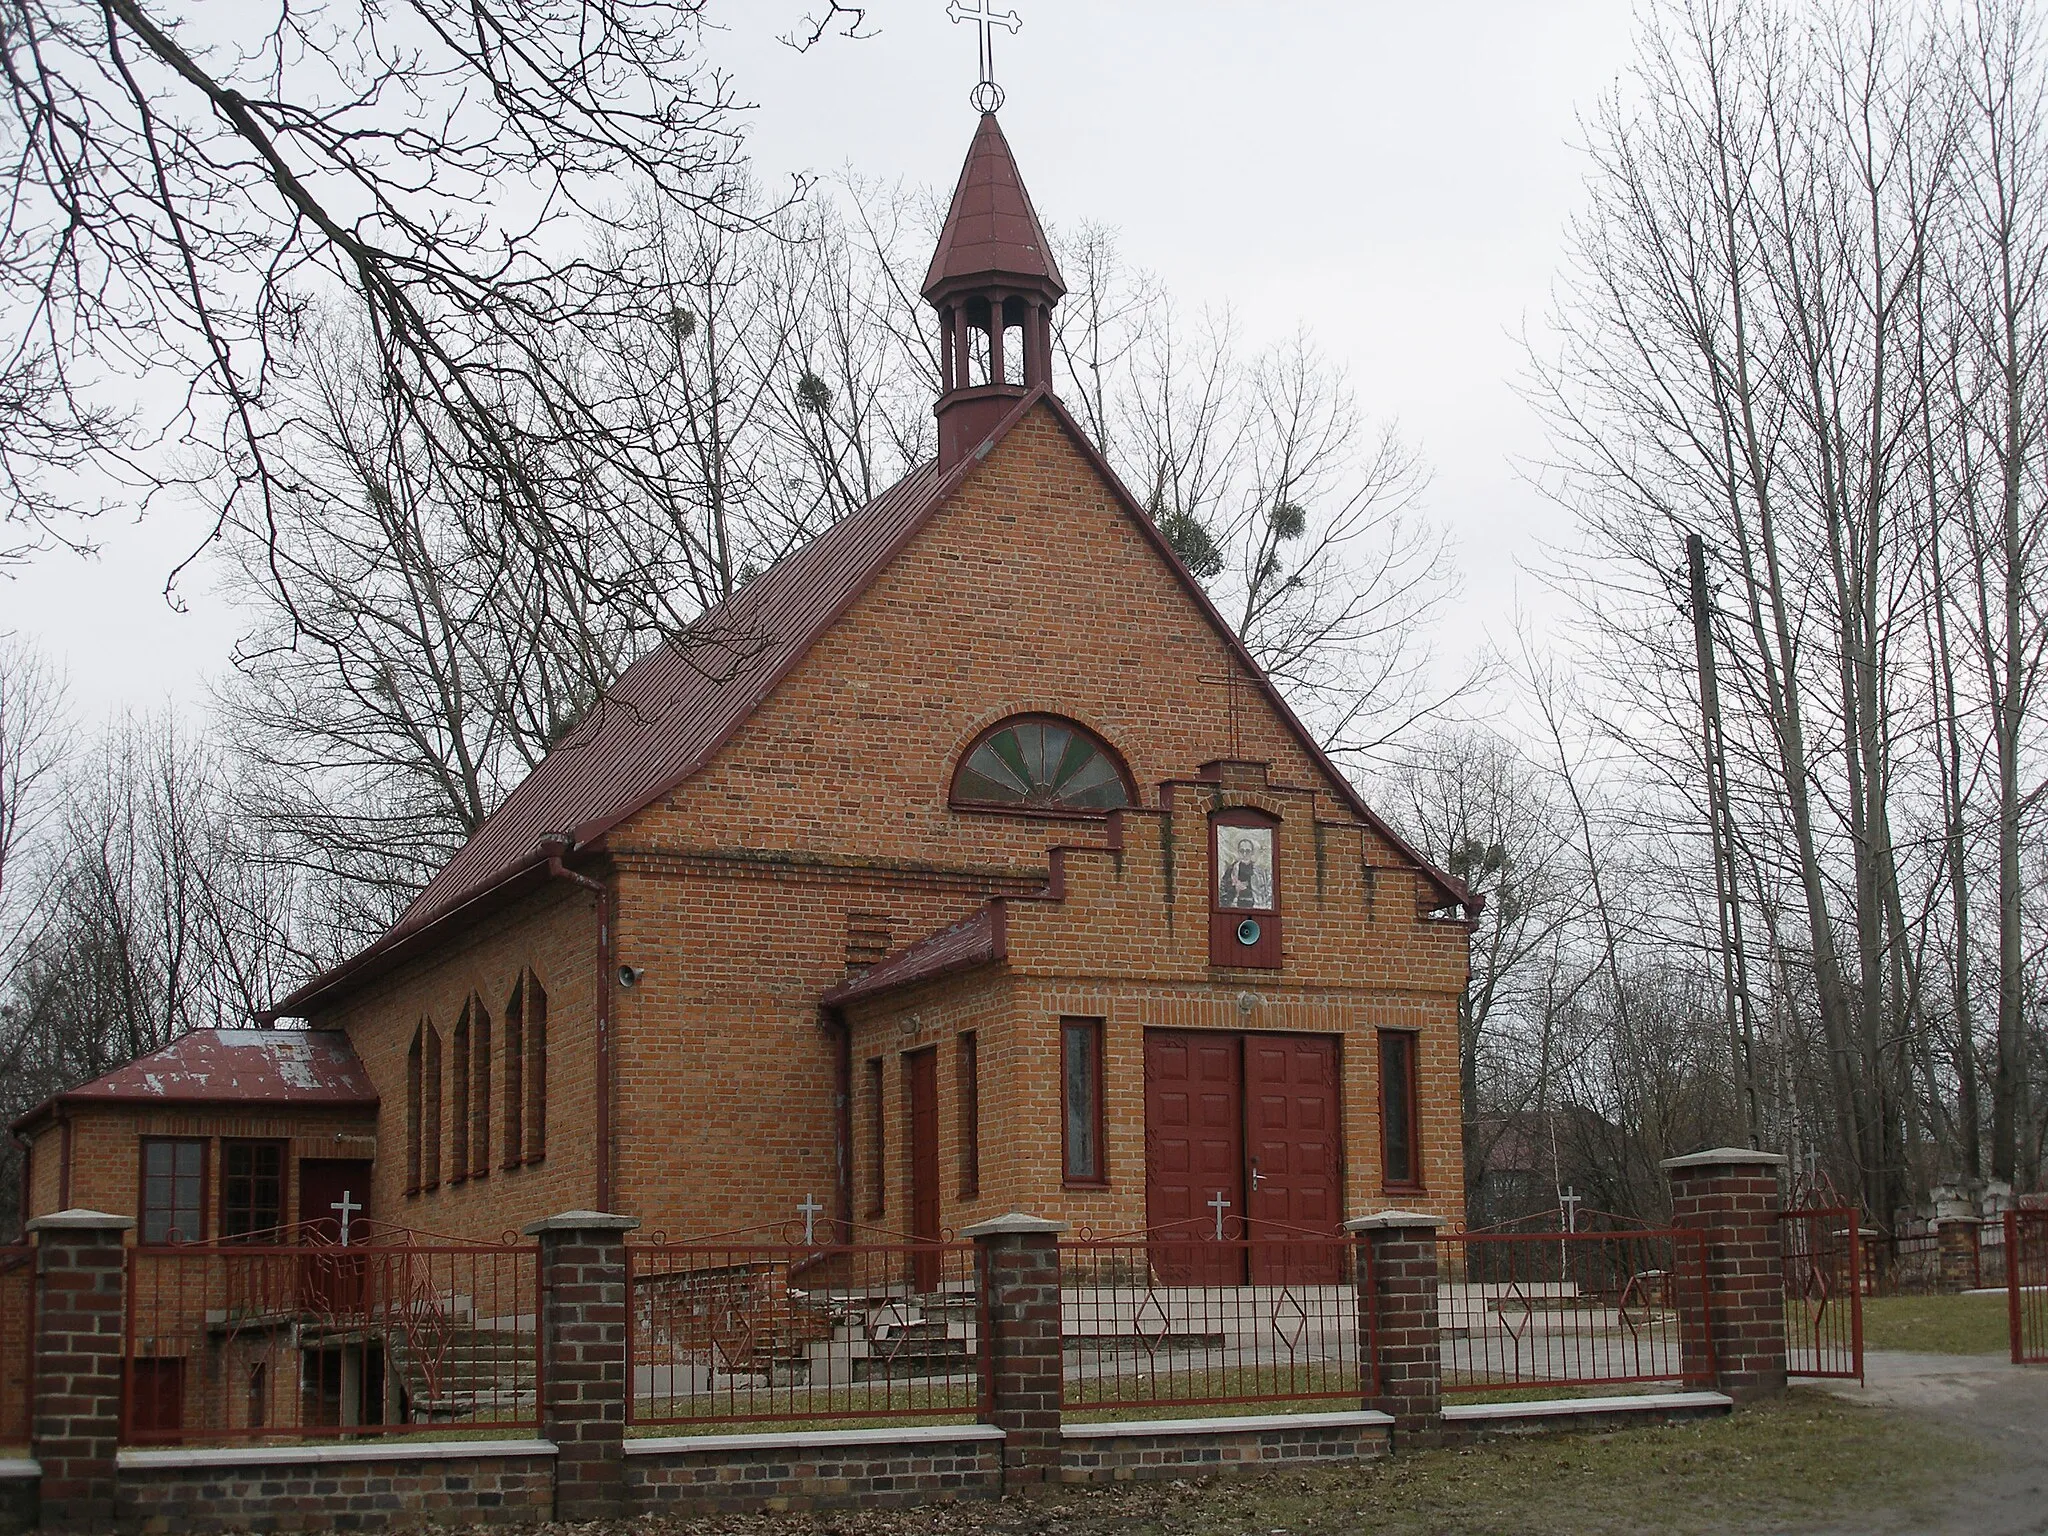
[
  {"x": 798, "y": 1471},
  {"x": 1123, "y": 1452},
  {"x": 365, "y": 1488}
]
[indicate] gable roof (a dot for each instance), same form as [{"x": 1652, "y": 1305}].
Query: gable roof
[
  {"x": 673, "y": 709},
  {"x": 239, "y": 1066},
  {"x": 991, "y": 228}
]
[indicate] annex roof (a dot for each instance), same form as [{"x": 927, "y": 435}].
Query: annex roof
[
  {"x": 992, "y": 231},
  {"x": 240, "y": 1066},
  {"x": 672, "y": 710},
  {"x": 972, "y": 941}
]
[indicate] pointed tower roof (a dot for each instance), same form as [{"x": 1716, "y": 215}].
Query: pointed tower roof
[{"x": 992, "y": 231}]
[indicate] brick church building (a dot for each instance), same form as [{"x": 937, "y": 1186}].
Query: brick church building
[{"x": 964, "y": 862}]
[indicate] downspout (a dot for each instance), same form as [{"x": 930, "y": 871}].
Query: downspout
[
  {"x": 556, "y": 847},
  {"x": 842, "y": 1118}
]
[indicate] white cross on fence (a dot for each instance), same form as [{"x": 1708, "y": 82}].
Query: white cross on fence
[
  {"x": 345, "y": 1207},
  {"x": 810, "y": 1209},
  {"x": 1571, "y": 1202},
  {"x": 1219, "y": 1205}
]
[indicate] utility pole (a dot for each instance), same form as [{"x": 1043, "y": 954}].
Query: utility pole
[{"x": 1721, "y": 818}]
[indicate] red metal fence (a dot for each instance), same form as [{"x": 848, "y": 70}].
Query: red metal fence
[
  {"x": 776, "y": 1332},
  {"x": 1154, "y": 1323},
  {"x": 235, "y": 1341},
  {"x": 17, "y": 1343},
  {"x": 2026, "y": 1284},
  {"x": 1824, "y": 1281},
  {"x": 1573, "y": 1309}
]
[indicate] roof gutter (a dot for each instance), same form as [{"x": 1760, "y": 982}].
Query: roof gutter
[{"x": 555, "y": 848}]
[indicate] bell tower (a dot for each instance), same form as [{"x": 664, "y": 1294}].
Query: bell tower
[{"x": 994, "y": 283}]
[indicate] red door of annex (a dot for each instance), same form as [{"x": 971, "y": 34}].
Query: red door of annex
[
  {"x": 921, "y": 1073},
  {"x": 1194, "y": 1155},
  {"x": 334, "y": 1210},
  {"x": 1293, "y": 1167}
]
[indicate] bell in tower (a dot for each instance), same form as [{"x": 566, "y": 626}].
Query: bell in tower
[{"x": 994, "y": 283}]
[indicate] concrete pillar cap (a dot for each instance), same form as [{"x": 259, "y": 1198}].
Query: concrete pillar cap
[
  {"x": 1735, "y": 1157},
  {"x": 581, "y": 1221},
  {"x": 1014, "y": 1224},
  {"x": 76, "y": 1220},
  {"x": 1383, "y": 1221}
]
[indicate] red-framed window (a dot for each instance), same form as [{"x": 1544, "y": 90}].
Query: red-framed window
[
  {"x": 1084, "y": 1159},
  {"x": 967, "y": 1092},
  {"x": 173, "y": 1189},
  {"x": 878, "y": 1165},
  {"x": 251, "y": 1189},
  {"x": 1400, "y": 1131}
]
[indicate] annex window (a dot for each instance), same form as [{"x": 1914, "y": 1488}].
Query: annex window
[
  {"x": 1042, "y": 763},
  {"x": 1081, "y": 1115},
  {"x": 967, "y": 1090},
  {"x": 878, "y": 1166},
  {"x": 251, "y": 1189},
  {"x": 458, "y": 1108},
  {"x": 173, "y": 1190},
  {"x": 1401, "y": 1162}
]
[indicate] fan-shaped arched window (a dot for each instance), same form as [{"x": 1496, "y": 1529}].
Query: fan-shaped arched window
[{"x": 1042, "y": 763}]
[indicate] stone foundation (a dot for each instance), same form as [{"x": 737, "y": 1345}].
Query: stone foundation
[{"x": 702, "y": 1474}]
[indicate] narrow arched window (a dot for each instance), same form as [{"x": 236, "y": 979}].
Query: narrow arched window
[
  {"x": 1042, "y": 763},
  {"x": 458, "y": 1108},
  {"x": 430, "y": 1110},
  {"x": 415, "y": 1104}
]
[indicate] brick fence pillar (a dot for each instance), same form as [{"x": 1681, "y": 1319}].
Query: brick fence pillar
[
  {"x": 1400, "y": 1336},
  {"x": 1020, "y": 1277},
  {"x": 81, "y": 1274},
  {"x": 1731, "y": 1193},
  {"x": 584, "y": 1373},
  {"x": 1957, "y": 1239}
]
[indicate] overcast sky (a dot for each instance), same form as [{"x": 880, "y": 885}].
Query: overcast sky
[{"x": 1396, "y": 177}]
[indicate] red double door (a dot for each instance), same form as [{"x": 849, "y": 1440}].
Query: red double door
[{"x": 1242, "y": 1139}]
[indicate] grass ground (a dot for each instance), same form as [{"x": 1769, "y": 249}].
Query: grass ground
[
  {"x": 1808, "y": 1460},
  {"x": 1941, "y": 1325}
]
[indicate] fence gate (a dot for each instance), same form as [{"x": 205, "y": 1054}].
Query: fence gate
[
  {"x": 2026, "y": 1284},
  {"x": 1823, "y": 1261}
]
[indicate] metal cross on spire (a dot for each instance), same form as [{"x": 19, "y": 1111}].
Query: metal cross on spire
[{"x": 987, "y": 96}]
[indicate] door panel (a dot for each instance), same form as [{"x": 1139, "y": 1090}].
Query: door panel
[
  {"x": 1194, "y": 1153},
  {"x": 335, "y": 1286},
  {"x": 921, "y": 1073},
  {"x": 1293, "y": 1156}
]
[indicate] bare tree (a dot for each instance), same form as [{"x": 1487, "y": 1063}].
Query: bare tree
[{"x": 186, "y": 189}]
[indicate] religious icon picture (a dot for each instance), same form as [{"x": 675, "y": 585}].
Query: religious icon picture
[{"x": 1244, "y": 868}]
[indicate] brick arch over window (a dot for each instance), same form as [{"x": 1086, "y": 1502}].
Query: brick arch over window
[{"x": 1042, "y": 764}]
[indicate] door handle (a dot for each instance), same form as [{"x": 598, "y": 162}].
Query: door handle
[{"x": 1258, "y": 1178}]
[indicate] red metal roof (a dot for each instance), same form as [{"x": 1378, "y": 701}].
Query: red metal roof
[
  {"x": 219, "y": 1066},
  {"x": 675, "y": 706},
  {"x": 992, "y": 231},
  {"x": 972, "y": 941}
]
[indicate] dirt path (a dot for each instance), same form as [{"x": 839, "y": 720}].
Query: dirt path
[{"x": 1998, "y": 1406}]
